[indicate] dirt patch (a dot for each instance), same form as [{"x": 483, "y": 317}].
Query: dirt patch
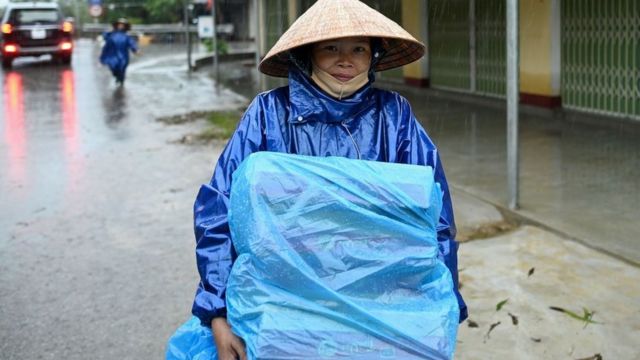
[
  {"x": 184, "y": 118},
  {"x": 220, "y": 125},
  {"x": 486, "y": 231}
]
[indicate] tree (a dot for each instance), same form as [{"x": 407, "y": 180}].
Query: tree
[{"x": 164, "y": 11}]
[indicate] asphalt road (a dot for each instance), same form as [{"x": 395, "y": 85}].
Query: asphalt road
[{"x": 96, "y": 244}]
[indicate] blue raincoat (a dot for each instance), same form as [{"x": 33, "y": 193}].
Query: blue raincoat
[
  {"x": 115, "y": 52},
  {"x": 372, "y": 124}
]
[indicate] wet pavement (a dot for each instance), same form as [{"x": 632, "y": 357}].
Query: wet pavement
[
  {"x": 577, "y": 177},
  {"x": 96, "y": 241},
  {"x": 96, "y": 244},
  {"x": 511, "y": 283}
]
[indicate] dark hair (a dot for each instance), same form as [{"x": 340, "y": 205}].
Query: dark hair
[{"x": 123, "y": 21}]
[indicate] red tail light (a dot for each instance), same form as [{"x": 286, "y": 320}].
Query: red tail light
[
  {"x": 7, "y": 28},
  {"x": 67, "y": 26},
  {"x": 66, "y": 45},
  {"x": 10, "y": 48}
]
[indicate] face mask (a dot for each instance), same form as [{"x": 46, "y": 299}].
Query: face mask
[{"x": 335, "y": 88}]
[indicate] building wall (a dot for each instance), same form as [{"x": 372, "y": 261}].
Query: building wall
[
  {"x": 582, "y": 54},
  {"x": 539, "y": 51},
  {"x": 414, "y": 20}
]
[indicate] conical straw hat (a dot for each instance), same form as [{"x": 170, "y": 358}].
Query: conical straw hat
[{"x": 333, "y": 19}]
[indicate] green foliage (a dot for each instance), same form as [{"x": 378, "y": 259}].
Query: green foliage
[
  {"x": 164, "y": 11},
  {"x": 223, "y": 124},
  {"x": 223, "y": 46}
]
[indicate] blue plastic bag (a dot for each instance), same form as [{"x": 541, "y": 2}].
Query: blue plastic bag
[
  {"x": 191, "y": 341},
  {"x": 338, "y": 258}
]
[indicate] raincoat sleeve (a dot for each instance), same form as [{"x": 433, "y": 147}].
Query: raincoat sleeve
[
  {"x": 133, "y": 44},
  {"x": 214, "y": 249},
  {"x": 415, "y": 147},
  {"x": 106, "y": 47}
]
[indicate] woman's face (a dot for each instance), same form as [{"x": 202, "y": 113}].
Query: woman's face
[{"x": 343, "y": 58}]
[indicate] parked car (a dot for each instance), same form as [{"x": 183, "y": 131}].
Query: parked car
[{"x": 34, "y": 29}]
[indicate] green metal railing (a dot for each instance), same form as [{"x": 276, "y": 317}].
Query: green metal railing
[
  {"x": 491, "y": 49},
  {"x": 601, "y": 56},
  {"x": 449, "y": 43}
]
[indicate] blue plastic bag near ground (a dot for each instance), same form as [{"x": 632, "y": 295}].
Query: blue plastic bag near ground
[
  {"x": 191, "y": 341},
  {"x": 338, "y": 258}
]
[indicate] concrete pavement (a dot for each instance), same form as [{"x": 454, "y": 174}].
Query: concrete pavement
[{"x": 531, "y": 270}]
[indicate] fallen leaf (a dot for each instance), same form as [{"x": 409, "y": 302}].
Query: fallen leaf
[
  {"x": 500, "y": 304},
  {"x": 536, "y": 340},
  {"x": 587, "y": 315},
  {"x": 594, "y": 357},
  {"x": 514, "y": 319},
  {"x": 493, "y": 326},
  {"x": 472, "y": 324},
  {"x": 531, "y": 271}
]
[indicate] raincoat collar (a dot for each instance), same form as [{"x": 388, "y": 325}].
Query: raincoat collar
[{"x": 310, "y": 103}]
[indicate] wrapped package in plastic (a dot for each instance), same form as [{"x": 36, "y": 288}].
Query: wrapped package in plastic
[{"x": 338, "y": 258}]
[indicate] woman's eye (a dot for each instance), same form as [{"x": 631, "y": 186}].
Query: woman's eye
[{"x": 331, "y": 48}]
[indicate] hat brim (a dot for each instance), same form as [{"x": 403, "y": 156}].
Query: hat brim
[
  {"x": 335, "y": 19},
  {"x": 398, "y": 52}
]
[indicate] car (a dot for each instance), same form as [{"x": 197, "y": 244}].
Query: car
[{"x": 34, "y": 29}]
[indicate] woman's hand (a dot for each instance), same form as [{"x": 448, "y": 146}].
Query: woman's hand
[{"x": 230, "y": 347}]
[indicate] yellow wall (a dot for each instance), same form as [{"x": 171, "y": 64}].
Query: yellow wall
[
  {"x": 413, "y": 20},
  {"x": 536, "y": 47},
  {"x": 292, "y": 11}
]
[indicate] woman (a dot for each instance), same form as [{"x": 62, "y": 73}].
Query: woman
[
  {"x": 330, "y": 55},
  {"x": 115, "y": 52}
]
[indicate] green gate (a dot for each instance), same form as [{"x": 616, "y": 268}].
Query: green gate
[
  {"x": 601, "y": 56},
  {"x": 277, "y": 21},
  {"x": 491, "y": 50},
  {"x": 448, "y": 43}
]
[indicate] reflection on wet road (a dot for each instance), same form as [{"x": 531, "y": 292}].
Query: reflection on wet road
[
  {"x": 54, "y": 117},
  {"x": 95, "y": 204}
]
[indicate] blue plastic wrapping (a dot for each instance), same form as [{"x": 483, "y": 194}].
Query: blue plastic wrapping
[
  {"x": 191, "y": 341},
  {"x": 338, "y": 258}
]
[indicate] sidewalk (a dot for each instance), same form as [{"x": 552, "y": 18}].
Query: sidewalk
[
  {"x": 530, "y": 270},
  {"x": 579, "y": 174},
  {"x": 579, "y": 181}
]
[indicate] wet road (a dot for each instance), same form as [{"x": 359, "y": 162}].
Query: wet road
[
  {"x": 95, "y": 196},
  {"x": 95, "y": 209}
]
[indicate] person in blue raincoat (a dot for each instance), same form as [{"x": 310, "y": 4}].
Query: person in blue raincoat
[
  {"x": 329, "y": 108},
  {"x": 115, "y": 52}
]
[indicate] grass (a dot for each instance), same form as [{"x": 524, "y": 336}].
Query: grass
[
  {"x": 222, "y": 124},
  {"x": 586, "y": 317}
]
